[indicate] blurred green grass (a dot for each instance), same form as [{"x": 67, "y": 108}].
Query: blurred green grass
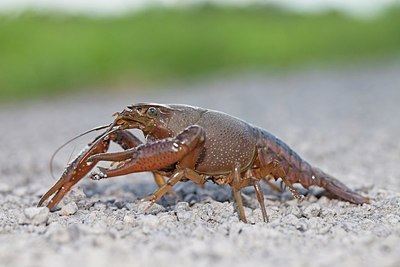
[{"x": 50, "y": 54}]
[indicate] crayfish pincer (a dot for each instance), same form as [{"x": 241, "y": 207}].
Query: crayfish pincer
[{"x": 191, "y": 143}]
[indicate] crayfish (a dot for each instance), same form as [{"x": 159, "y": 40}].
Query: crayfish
[{"x": 191, "y": 143}]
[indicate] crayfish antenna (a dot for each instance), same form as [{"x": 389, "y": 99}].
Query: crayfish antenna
[
  {"x": 79, "y": 167},
  {"x": 71, "y": 140}
]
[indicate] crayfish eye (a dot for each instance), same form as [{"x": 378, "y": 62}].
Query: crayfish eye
[{"x": 152, "y": 112}]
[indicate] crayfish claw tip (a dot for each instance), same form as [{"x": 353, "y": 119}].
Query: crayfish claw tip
[{"x": 149, "y": 206}]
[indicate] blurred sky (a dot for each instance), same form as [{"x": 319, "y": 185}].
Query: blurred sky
[{"x": 115, "y": 7}]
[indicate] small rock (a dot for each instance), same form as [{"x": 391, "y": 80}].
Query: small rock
[
  {"x": 191, "y": 198},
  {"x": 119, "y": 204},
  {"x": 69, "y": 209},
  {"x": 36, "y": 215},
  {"x": 99, "y": 206},
  {"x": 20, "y": 191},
  {"x": 292, "y": 202},
  {"x": 338, "y": 231},
  {"x": 181, "y": 206},
  {"x": 184, "y": 215},
  {"x": 144, "y": 207},
  {"x": 327, "y": 212},
  {"x": 131, "y": 206},
  {"x": 392, "y": 219},
  {"x": 98, "y": 228},
  {"x": 128, "y": 219},
  {"x": 167, "y": 218},
  {"x": 149, "y": 223},
  {"x": 61, "y": 234},
  {"x": 311, "y": 198},
  {"x": 4, "y": 188},
  {"x": 295, "y": 210},
  {"x": 323, "y": 200},
  {"x": 289, "y": 219},
  {"x": 318, "y": 225},
  {"x": 382, "y": 230},
  {"x": 206, "y": 212},
  {"x": 75, "y": 195},
  {"x": 312, "y": 211},
  {"x": 118, "y": 225},
  {"x": 302, "y": 225}
]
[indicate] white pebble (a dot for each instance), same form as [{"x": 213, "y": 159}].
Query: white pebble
[
  {"x": 144, "y": 207},
  {"x": 312, "y": 211},
  {"x": 181, "y": 207},
  {"x": 128, "y": 219},
  {"x": 36, "y": 215},
  {"x": 295, "y": 210},
  {"x": 4, "y": 188},
  {"x": 69, "y": 209}
]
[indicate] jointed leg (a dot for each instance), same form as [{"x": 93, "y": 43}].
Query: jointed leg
[
  {"x": 176, "y": 177},
  {"x": 292, "y": 190},
  {"x": 160, "y": 181},
  {"x": 260, "y": 198},
  {"x": 259, "y": 194},
  {"x": 273, "y": 187},
  {"x": 236, "y": 186}
]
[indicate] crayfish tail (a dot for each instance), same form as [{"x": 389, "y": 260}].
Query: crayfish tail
[{"x": 337, "y": 188}]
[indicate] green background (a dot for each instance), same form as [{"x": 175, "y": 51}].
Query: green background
[{"x": 43, "y": 55}]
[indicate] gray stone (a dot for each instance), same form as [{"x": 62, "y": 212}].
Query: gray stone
[
  {"x": 295, "y": 210},
  {"x": 36, "y": 216},
  {"x": 128, "y": 219},
  {"x": 69, "y": 209},
  {"x": 4, "y": 188},
  {"x": 312, "y": 210},
  {"x": 62, "y": 234}
]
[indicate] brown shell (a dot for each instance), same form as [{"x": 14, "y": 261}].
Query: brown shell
[{"x": 228, "y": 140}]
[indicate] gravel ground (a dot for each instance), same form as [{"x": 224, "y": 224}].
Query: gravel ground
[{"x": 345, "y": 122}]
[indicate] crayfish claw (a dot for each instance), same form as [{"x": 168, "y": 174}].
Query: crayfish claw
[{"x": 74, "y": 172}]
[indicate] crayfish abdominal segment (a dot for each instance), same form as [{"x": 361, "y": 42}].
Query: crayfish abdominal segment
[{"x": 191, "y": 143}]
